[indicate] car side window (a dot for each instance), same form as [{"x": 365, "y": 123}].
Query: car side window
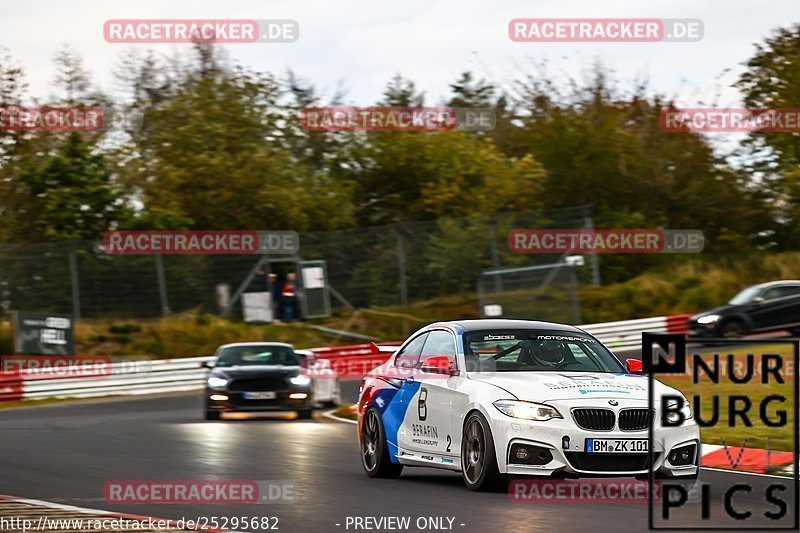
[
  {"x": 409, "y": 356},
  {"x": 779, "y": 292},
  {"x": 440, "y": 342}
]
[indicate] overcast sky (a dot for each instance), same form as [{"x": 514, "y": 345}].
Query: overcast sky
[{"x": 362, "y": 43}]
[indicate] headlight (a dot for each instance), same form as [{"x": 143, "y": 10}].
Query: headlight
[
  {"x": 300, "y": 380},
  {"x": 527, "y": 410},
  {"x": 672, "y": 416},
  {"x": 708, "y": 319},
  {"x": 216, "y": 382}
]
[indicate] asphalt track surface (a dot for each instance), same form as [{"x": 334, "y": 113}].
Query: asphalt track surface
[{"x": 65, "y": 453}]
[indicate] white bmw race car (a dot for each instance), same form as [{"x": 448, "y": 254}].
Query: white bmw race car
[{"x": 492, "y": 398}]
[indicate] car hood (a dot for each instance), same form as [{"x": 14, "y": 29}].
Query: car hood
[
  {"x": 544, "y": 386},
  {"x": 256, "y": 371}
]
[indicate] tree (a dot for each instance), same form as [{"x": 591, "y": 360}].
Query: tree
[
  {"x": 12, "y": 90},
  {"x": 66, "y": 195},
  {"x": 469, "y": 92},
  {"x": 210, "y": 156},
  {"x": 402, "y": 92},
  {"x": 772, "y": 81},
  {"x": 71, "y": 76},
  {"x": 421, "y": 175}
]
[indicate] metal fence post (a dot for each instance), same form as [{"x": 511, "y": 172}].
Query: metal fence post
[
  {"x": 479, "y": 292},
  {"x": 401, "y": 266},
  {"x": 498, "y": 282},
  {"x": 593, "y": 262},
  {"x": 576, "y": 307},
  {"x": 76, "y": 291},
  {"x": 162, "y": 286}
]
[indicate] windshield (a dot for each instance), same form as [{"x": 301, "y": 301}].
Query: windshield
[
  {"x": 536, "y": 351},
  {"x": 258, "y": 355},
  {"x": 745, "y": 296}
]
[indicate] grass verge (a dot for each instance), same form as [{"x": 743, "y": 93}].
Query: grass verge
[{"x": 345, "y": 411}]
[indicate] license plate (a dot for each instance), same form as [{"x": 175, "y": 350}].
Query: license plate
[
  {"x": 616, "y": 446},
  {"x": 260, "y": 395}
]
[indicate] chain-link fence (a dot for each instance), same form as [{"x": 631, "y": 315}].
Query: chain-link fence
[
  {"x": 542, "y": 292},
  {"x": 388, "y": 265}
]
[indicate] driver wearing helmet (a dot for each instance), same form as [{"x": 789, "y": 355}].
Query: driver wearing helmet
[{"x": 548, "y": 354}]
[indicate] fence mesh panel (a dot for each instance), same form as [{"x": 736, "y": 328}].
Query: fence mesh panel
[
  {"x": 365, "y": 266},
  {"x": 548, "y": 294}
]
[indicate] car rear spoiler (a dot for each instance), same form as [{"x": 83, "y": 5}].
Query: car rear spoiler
[{"x": 375, "y": 349}]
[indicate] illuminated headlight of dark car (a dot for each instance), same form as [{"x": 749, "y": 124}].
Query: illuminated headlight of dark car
[
  {"x": 300, "y": 381},
  {"x": 708, "y": 320},
  {"x": 217, "y": 382}
]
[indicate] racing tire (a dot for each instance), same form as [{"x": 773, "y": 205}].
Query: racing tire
[
  {"x": 478, "y": 458},
  {"x": 213, "y": 415},
  {"x": 304, "y": 414},
  {"x": 374, "y": 449},
  {"x": 733, "y": 329}
]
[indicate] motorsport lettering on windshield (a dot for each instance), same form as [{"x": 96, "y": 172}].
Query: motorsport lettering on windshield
[{"x": 533, "y": 350}]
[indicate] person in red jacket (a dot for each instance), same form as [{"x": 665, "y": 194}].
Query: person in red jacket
[{"x": 289, "y": 297}]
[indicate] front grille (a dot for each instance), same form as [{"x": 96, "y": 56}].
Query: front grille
[
  {"x": 596, "y": 419},
  {"x": 610, "y": 462},
  {"x": 634, "y": 419},
  {"x": 259, "y": 384}
]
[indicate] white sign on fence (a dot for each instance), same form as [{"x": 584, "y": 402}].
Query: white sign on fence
[
  {"x": 313, "y": 278},
  {"x": 257, "y": 307}
]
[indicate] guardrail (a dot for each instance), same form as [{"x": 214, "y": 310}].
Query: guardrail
[
  {"x": 187, "y": 374},
  {"x": 143, "y": 377},
  {"x": 628, "y": 333}
]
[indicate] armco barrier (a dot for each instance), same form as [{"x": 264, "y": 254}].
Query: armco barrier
[
  {"x": 10, "y": 387},
  {"x": 628, "y": 333},
  {"x": 187, "y": 374}
]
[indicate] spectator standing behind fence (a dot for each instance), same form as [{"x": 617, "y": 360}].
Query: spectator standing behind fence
[
  {"x": 289, "y": 297},
  {"x": 274, "y": 297}
]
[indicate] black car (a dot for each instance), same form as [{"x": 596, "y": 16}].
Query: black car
[
  {"x": 766, "y": 307},
  {"x": 257, "y": 376}
]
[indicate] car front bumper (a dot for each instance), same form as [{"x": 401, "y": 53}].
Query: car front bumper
[
  {"x": 565, "y": 441},
  {"x": 703, "y": 330},
  {"x": 236, "y": 401}
]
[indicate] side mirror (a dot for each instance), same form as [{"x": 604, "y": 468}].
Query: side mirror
[
  {"x": 758, "y": 300},
  {"x": 634, "y": 366},
  {"x": 439, "y": 364}
]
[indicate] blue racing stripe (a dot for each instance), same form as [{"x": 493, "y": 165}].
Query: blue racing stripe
[{"x": 392, "y": 404}]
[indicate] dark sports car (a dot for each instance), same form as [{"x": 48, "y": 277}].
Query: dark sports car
[{"x": 257, "y": 376}]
